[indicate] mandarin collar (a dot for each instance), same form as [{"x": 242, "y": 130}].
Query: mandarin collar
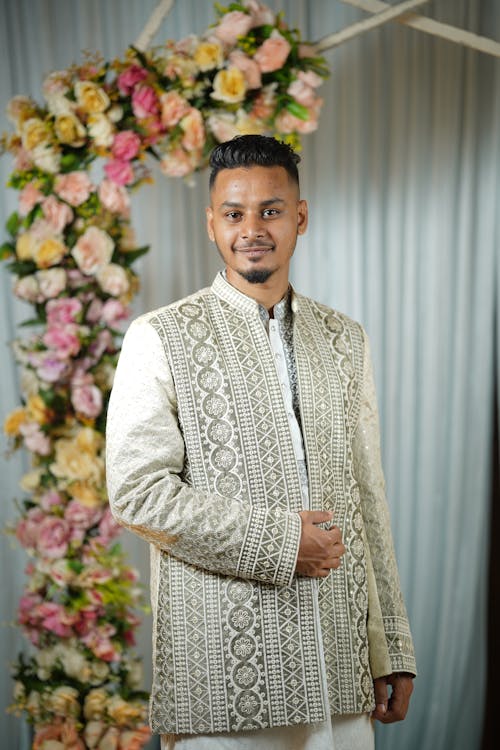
[{"x": 224, "y": 290}]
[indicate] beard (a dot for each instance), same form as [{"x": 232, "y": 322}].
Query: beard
[{"x": 256, "y": 276}]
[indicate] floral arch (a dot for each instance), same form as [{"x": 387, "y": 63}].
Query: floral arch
[{"x": 71, "y": 250}]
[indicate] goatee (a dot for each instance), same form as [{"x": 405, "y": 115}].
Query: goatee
[{"x": 256, "y": 276}]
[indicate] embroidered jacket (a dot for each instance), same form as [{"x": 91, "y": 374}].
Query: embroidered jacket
[{"x": 200, "y": 463}]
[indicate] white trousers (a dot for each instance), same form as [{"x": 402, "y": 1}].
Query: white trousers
[{"x": 350, "y": 732}]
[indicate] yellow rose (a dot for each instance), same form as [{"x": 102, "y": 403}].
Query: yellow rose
[
  {"x": 13, "y": 421},
  {"x": 229, "y": 85},
  {"x": 122, "y": 712},
  {"x": 31, "y": 481},
  {"x": 34, "y": 133},
  {"x": 86, "y": 494},
  {"x": 33, "y": 704},
  {"x": 49, "y": 252},
  {"x": 64, "y": 701},
  {"x": 91, "y": 97},
  {"x": 69, "y": 129},
  {"x": 248, "y": 125},
  {"x": 208, "y": 55},
  {"x": 77, "y": 459},
  {"x": 38, "y": 410},
  {"x": 25, "y": 246},
  {"x": 95, "y": 704},
  {"x": 89, "y": 441}
]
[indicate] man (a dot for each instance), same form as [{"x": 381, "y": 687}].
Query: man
[{"x": 243, "y": 445}]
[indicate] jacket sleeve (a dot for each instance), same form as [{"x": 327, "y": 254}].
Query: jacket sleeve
[
  {"x": 369, "y": 475},
  {"x": 144, "y": 461}
]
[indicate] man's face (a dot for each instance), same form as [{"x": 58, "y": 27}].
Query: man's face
[{"x": 254, "y": 218}]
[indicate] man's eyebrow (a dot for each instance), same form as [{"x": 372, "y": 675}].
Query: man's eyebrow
[{"x": 235, "y": 204}]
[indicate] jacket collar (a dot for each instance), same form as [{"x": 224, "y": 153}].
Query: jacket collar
[{"x": 224, "y": 290}]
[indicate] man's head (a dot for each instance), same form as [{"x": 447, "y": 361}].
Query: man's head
[
  {"x": 255, "y": 211},
  {"x": 253, "y": 151}
]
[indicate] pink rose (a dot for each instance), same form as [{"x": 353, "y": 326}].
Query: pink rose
[
  {"x": 63, "y": 341},
  {"x": 34, "y": 439},
  {"x": 176, "y": 163},
  {"x": 261, "y": 14},
  {"x": 51, "y": 369},
  {"x": 74, "y": 187},
  {"x": 145, "y": 102},
  {"x": 173, "y": 108},
  {"x": 58, "y": 214},
  {"x": 108, "y": 529},
  {"x": 272, "y": 53},
  {"x": 248, "y": 67},
  {"x": 62, "y": 311},
  {"x": 50, "y": 500},
  {"x": 51, "y": 281},
  {"x": 29, "y": 196},
  {"x": 129, "y": 79},
  {"x": 302, "y": 93},
  {"x": 79, "y": 515},
  {"x": 87, "y": 400},
  {"x": 27, "y": 528},
  {"x": 194, "y": 131},
  {"x": 53, "y": 537},
  {"x": 232, "y": 25},
  {"x": 103, "y": 342},
  {"x": 310, "y": 78},
  {"x": 93, "y": 250},
  {"x": 120, "y": 172},
  {"x": 55, "y": 618},
  {"x": 93, "y": 314},
  {"x": 113, "y": 312},
  {"x": 126, "y": 145},
  {"x": 114, "y": 198}
]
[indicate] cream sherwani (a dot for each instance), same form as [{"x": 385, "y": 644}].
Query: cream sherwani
[{"x": 201, "y": 463}]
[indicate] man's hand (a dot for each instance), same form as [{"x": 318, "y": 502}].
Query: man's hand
[
  {"x": 394, "y": 708},
  {"x": 320, "y": 550}
]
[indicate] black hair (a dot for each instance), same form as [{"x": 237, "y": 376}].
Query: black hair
[{"x": 253, "y": 151}]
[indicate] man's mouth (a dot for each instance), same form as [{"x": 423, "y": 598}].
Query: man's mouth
[{"x": 254, "y": 251}]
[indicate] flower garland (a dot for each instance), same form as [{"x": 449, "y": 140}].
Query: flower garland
[{"x": 71, "y": 251}]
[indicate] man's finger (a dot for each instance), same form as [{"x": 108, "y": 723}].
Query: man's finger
[{"x": 381, "y": 698}]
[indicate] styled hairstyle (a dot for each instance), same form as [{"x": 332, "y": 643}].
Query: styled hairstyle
[{"x": 253, "y": 151}]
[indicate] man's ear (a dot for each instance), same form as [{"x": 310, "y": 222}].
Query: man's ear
[
  {"x": 210, "y": 223},
  {"x": 302, "y": 217}
]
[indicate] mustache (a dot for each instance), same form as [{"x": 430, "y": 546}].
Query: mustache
[{"x": 253, "y": 245}]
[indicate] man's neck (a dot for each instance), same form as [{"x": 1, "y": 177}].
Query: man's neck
[{"x": 267, "y": 294}]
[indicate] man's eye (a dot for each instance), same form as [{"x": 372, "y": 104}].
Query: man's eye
[
  {"x": 270, "y": 212},
  {"x": 233, "y": 215}
]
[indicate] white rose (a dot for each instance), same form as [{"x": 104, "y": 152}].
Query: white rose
[
  {"x": 100, "y": 129},
  {"x": 52, "y": 281},
  {"x": 113, "y": 279},
  {"x": 100, "y": 671},
  {"x": 134, "y": 677},
  {"x": 74, "y": 664},
  {"x": 46, "y": 658},
  {"x": 115, "y": 113},
  {"x": 30, "y": 384},
  {"x": 45, "y": 157},
  {"x": 27, "y": 288}
]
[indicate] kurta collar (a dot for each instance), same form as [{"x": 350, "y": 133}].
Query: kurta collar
[{"x": 224, "y": 290}]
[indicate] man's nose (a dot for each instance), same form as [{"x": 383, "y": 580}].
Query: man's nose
[{"x": 252, "y": 226}]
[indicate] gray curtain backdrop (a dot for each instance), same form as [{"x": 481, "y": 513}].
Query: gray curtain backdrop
[{"x": 402, "y": 180}]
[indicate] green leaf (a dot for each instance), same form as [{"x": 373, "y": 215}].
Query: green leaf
[
  {"x": 13, "y": 223},
  {"x": 22, "y": 267},
  {"x": 298, "y": 110},
  {"x": 31, "y": 322},
  {"x": 130, "y": 257},
  {"x": 7, "y": 250},
  {"x": 70, "y": 162}
]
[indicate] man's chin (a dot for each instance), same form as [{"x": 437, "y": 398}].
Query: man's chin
[{"x": 256, "y": 275}]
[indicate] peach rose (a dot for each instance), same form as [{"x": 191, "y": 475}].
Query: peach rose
[
  {"x": 123, "y": 712},
  {"x": 114, "y": 198},
  {"x": 194, "y": 131},
  {"x": 91, "y": 97},
  {"x": 74, "y": 187},
  {"x": 29, "y": 196},
  {"x": 134, "y": 739},
  {"x": 95, "y": 704},
  {"x": 272, "y": 53},
  {"x": 248, "y": 67},
  {"x": 261, "y": 14},
  {"x": 177, "y": 163},
  {"x": 310, "y": 78},
  {"x": 233, "y": 25},
  {"x": 173, "y": 108},
  {"x": 93, "y": 250},
  {"x": 288, "y": 123},
  {"x": 58, "y": 214},
  {"x": 69, "y": 129},
  {"x": 229, "y": 85},
  {"x": 64, "y": 701},
  {"x": 301, "y": 92},
  {"x": 20, "y": 109},
  {"x": 113, "y": 279}
]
